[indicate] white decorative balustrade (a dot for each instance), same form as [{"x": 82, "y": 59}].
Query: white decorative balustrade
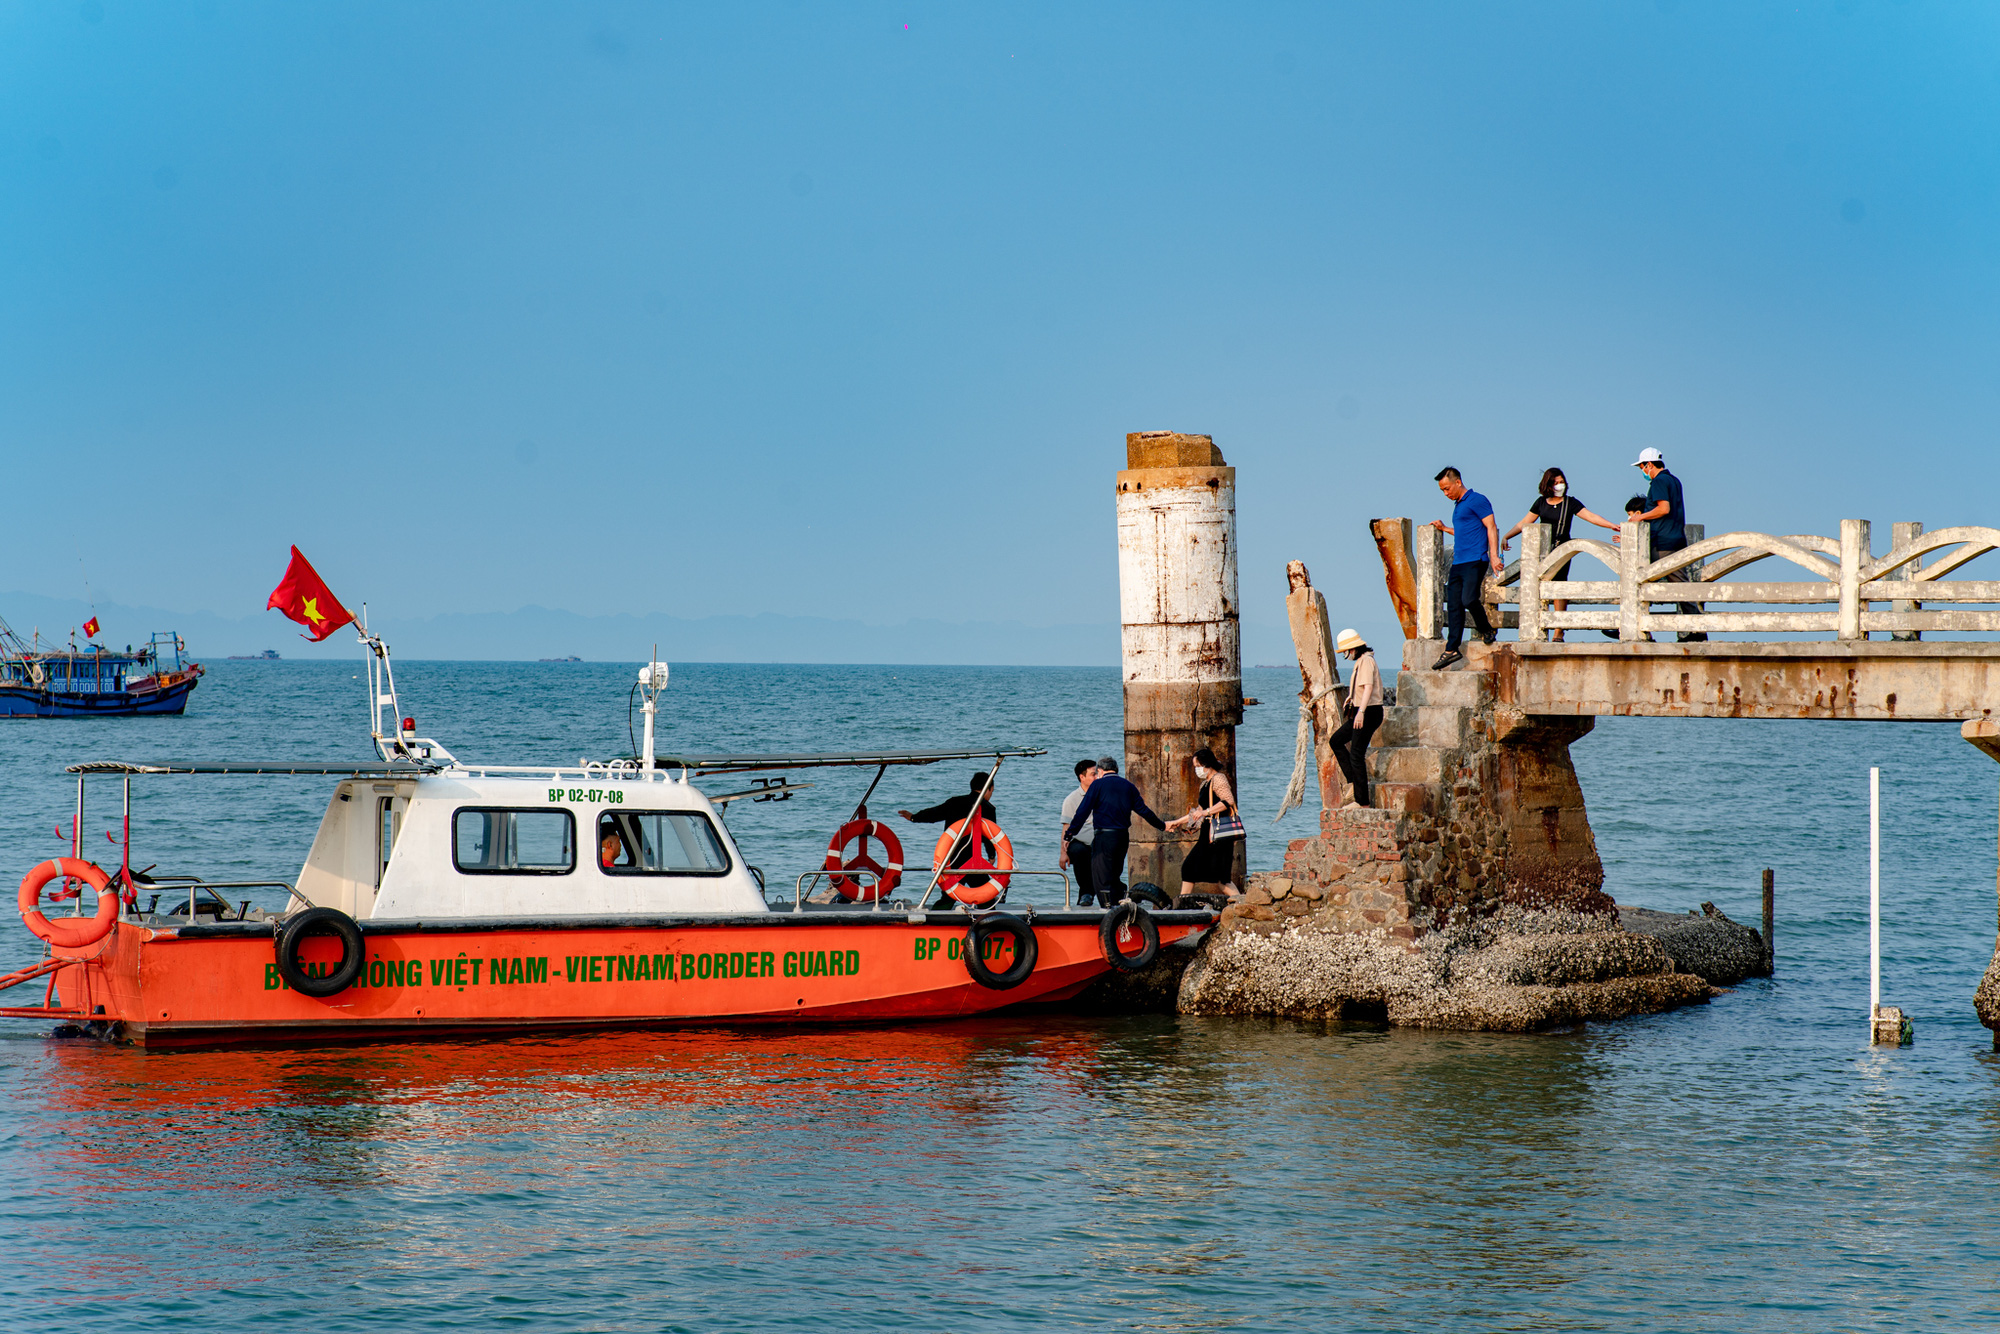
[{"x": 1850, "y": 583}]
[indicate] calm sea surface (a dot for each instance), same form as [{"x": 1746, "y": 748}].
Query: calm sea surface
[{"x": 1746, "y": 1165}]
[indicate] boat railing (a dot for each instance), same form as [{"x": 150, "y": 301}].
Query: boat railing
[
  {"x": 196, "y": 886},
  {"x": 866, "y": 877}
]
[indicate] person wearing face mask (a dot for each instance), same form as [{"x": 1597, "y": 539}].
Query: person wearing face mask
[
  {"x": 1212, "y": 859},
  {"x": 1559, "y": 510}
]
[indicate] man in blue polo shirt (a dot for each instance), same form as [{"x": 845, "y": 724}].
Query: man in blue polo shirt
[{"x": 1475, "y": 545}]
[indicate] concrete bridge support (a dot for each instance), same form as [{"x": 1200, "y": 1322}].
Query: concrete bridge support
[
  {"x": 1182, "y": 660},
  {"x": 1477, "y": 807},
  {"x": 1985, "y": 734}
]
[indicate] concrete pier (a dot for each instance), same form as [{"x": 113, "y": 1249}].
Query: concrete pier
[{"x": 1183, "y": 666}]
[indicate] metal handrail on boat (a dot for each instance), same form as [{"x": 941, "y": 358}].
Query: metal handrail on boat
[
  {"x": 875, "y": 905},
  {"x": 799, "y": 888},
  {"x": 195, "y": 884}
]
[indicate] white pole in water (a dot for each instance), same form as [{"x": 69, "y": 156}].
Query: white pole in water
[{"x": 1874, "y": 894}]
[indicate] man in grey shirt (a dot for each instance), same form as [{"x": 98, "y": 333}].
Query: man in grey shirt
[{"x": 1076, "y": 851}]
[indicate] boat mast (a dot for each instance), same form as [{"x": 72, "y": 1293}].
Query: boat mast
[{"x": 381, "y": 692}]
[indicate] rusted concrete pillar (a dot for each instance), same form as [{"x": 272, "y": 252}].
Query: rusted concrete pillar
[{"x": 1183, "y": 664}]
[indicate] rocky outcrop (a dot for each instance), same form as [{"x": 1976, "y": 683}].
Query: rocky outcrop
[
  {"x": 1706, "y": 943},
  {"x": 1469, "y": 896},
  {"x": 1518, "y": 970}
]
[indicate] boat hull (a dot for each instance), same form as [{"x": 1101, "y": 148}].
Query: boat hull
[
  {"x": 19, "y": 701},
  {"x": 219, "y": 984}
]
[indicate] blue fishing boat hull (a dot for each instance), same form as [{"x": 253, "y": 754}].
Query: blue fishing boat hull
[{"x": 19, "y": 701}]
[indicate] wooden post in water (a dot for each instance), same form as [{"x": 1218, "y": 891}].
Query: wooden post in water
[
  {"x": 1770, "y": 923},
  {"x": 1183, "y": 664}
]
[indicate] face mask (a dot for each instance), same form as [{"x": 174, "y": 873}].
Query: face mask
[
  {"x": 1562, "y": 488},
  {"x": 1200, "y": 772}
]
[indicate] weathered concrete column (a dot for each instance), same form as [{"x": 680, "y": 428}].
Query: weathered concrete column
[
  {"x": 1320, "y": 691},
  {"x": 1183, "y": 663}
]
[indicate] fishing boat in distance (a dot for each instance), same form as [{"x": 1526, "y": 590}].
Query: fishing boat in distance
[
  {"x": 94, "y": 681},
  {"x": 442, "y": 896}
]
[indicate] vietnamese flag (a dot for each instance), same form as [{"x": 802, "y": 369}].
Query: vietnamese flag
[
  {"x": 303, "y": 596},
  {"x": 90, "y": 628}
]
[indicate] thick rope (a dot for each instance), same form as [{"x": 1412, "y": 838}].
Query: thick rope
[{"x": 1302, "y": 758}]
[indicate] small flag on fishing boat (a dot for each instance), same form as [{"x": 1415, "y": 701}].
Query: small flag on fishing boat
[
  {"x": 90, "y": 628},
  {"x": 304, "y": 596}
]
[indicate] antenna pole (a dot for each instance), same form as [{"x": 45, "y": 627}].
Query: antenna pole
[{"x": 651, "y": 678}]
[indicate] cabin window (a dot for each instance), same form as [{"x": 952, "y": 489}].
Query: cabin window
[
  {"x": 660, "y": 843},
  {"x": 487, "y": 841}
]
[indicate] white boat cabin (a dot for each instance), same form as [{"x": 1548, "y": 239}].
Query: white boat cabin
[{"x": 456, "y": 844}]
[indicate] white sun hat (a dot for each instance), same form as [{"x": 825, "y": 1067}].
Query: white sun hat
[
  {"x": 1348, "y": 639},
  {"x": 1649, "y": 456}
]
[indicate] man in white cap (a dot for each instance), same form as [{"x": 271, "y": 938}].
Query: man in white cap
[
  {"x": 1360, "y": 717},
  {"x": 1668, "y": 515}
]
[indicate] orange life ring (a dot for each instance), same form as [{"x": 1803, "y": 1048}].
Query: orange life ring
[
  {"x": 953, "y": 881},
  {"x": 69, "y": 932},
  {"x": 887, "y": 875}
]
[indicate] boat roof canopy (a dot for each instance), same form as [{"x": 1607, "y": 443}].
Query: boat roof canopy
[
  {"x": 703, "y": 764},
  {"x": 316, "y": 768},
  {"x": 737, "y": 764}
]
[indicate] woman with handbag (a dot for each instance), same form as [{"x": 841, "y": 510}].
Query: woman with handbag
[
  {"x": 1212, "y": 859},
  {"x": 1361, "y": 716}
]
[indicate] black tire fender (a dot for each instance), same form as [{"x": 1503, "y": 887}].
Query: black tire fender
[
  {"x": 1118, "y": 927},
  {"x": 1025, "y": 951},
  {"x": 1150, "y": 894},
  {"x": 320, "y": 922}
]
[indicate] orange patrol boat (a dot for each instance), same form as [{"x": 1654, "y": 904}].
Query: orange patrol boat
[{"x": 443, "y": 897}]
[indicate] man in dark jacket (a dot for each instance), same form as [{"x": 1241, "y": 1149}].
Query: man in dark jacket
[
  {"x": 953, "y": 809},
  {"x": 1110, "y": 805},
  {"x": 949, "y": 812}
]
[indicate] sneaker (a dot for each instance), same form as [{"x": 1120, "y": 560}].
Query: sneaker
[
  {"x": 1608, "y": 634},
  {"x": 1451, "y": 655},
  {"x": 1490, "y": 638}
]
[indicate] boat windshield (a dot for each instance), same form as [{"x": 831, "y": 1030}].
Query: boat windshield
[{"x": 660, "y": 843}]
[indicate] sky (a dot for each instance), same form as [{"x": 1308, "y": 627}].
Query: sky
[{"x": 844, "y": 310}]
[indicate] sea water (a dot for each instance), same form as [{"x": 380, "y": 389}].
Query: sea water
[{"x": 1750, "y": 1164}]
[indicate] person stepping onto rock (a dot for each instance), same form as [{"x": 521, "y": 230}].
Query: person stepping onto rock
[
  {"x": 1212, "y": 859},
  {"x": 1359, "y": 719}
]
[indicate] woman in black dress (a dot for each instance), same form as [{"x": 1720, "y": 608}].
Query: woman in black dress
[
  {"x": 1210, "y": 861},
  {"x": 1559, "y": 510}
]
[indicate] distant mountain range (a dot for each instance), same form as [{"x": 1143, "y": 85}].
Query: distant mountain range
[{"x": 537, "y": 632}]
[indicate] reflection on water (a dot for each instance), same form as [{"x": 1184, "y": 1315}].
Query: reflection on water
[{"x": 1141, "y": 1173}]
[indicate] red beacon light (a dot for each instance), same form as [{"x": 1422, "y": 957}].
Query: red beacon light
[{"x": 409, "y": 729}]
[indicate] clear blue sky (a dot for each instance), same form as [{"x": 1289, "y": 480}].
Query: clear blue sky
[{"x": 705, "y": 309}]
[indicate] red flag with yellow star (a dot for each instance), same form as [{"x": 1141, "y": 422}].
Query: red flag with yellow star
[{"x": 304, "y": 596}]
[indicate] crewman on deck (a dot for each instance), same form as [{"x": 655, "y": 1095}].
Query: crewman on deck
[
  {"x": 949, "y": 812},
  {"x": 953, "y": 809}
]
